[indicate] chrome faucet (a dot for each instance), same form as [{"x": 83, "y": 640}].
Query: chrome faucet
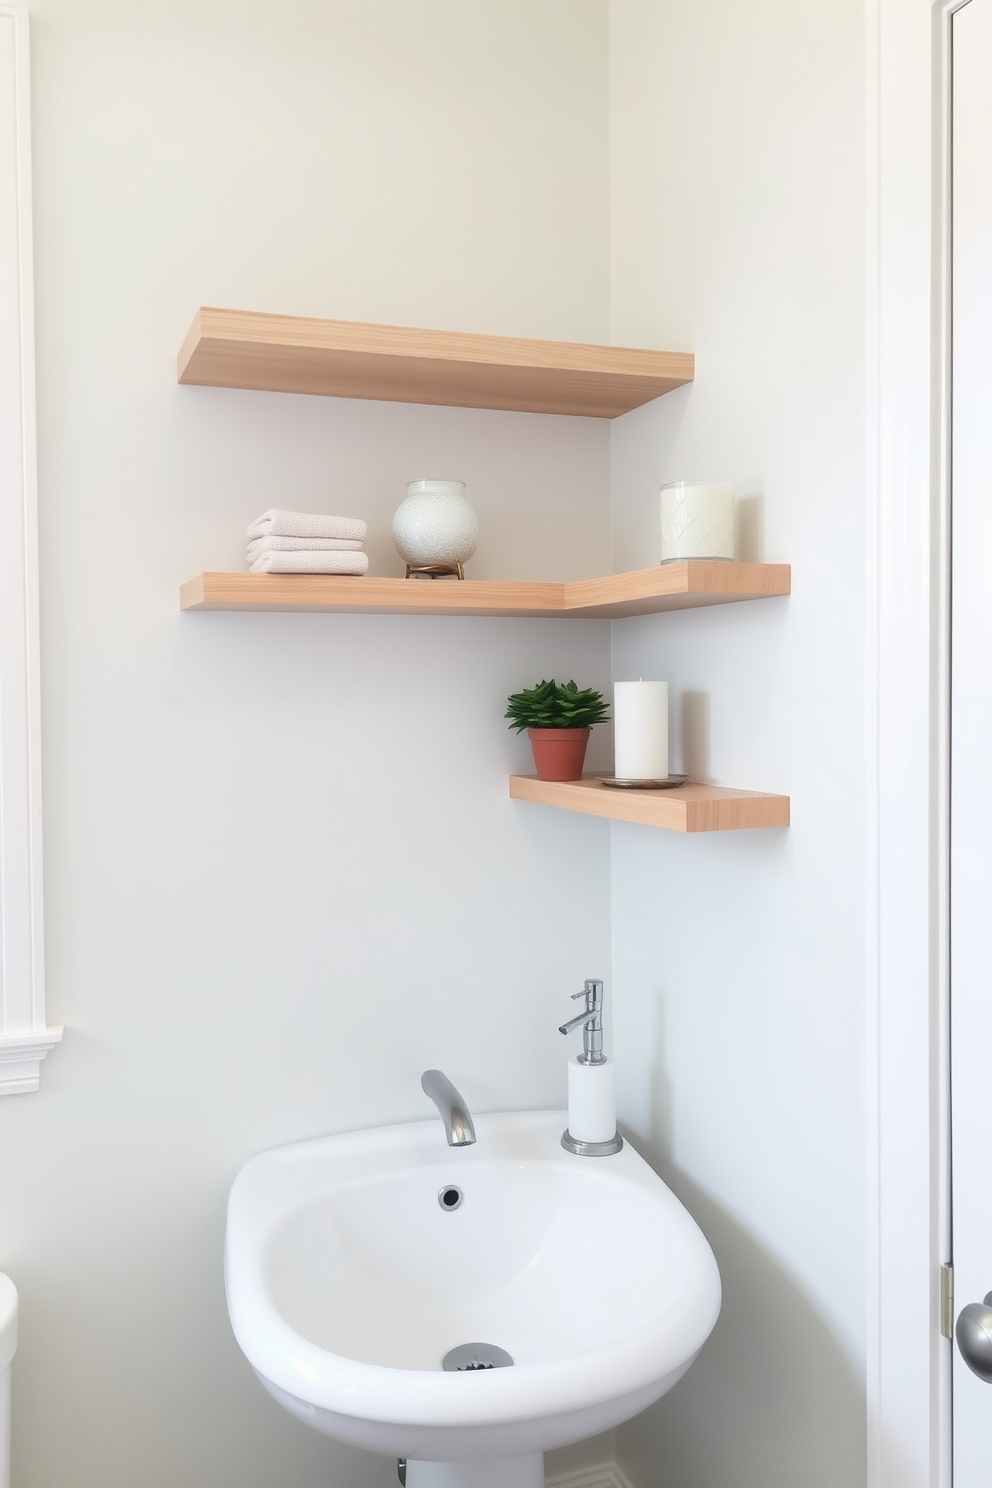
[
  {"x": 454, "y": 1112},
  {"x": 591, "y": 1022}
]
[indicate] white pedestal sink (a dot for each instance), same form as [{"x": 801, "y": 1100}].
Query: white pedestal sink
[
  {"x": 355, "y": 1263},
  {"x": 8, "y": 1347}
]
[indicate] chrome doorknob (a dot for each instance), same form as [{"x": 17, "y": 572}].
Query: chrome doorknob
[{"x": 974, "y": 1335}]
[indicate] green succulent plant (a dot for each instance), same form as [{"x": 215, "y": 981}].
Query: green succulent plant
[{"x": 556, "y": 705}]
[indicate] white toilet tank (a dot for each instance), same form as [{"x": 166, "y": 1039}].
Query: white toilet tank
[{"x": 8, "y": 1344}]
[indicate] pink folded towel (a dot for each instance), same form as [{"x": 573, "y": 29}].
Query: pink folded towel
[
  {"x": 276, "y": 523},
  {"x": 301, "y": 545},
  {"x": 311, "y": 562}
]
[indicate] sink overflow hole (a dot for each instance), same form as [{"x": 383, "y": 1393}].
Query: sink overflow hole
[
  {"x": 450, "y": 1197},
  {"x": 475, "y": 1356}
]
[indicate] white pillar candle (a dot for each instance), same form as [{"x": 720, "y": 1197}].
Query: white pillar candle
[
  {"x": 697, "y": 520},
  {"x": 640, "y": 730}
]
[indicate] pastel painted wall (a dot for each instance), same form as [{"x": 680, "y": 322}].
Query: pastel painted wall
[
  {"x": 283, "y": 875},
  {"x": 737, "y": 174}
]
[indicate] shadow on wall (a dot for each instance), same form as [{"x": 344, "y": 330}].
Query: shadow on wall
[
  {"x": 694, "y": 727},
  {"x": 772, "y": 1401},
  {"x": 750, "y": 512}
]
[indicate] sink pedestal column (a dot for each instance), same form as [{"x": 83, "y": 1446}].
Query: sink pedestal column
[
  {"x": 8, "y": 1345},
  {"x": 486, "y": 1472}
]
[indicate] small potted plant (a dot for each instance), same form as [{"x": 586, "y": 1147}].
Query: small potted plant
[{"x": 558, "y": 718}]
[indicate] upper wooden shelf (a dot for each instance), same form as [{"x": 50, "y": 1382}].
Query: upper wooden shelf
[
  {"x": 689, "y": 808},
  {"x": 349, "y": 359},
  {"x": 671, "y": 586}
]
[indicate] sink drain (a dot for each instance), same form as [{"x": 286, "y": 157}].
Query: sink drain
[{"x": 475, "y": 1356}]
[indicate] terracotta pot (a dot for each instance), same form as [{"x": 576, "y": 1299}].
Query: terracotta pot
[{"x": 559, "y": 752}]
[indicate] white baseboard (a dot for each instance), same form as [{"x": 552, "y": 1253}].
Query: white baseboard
[{"x": 603, "y": 1475}]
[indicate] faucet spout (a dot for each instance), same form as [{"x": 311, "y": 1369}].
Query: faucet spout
[{"x": 458, "y": 1127}]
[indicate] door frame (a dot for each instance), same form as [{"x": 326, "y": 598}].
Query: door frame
[{"x": 908, "y": 1179}]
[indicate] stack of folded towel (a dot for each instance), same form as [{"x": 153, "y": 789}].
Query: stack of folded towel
[{"x": 300, "y": 542}]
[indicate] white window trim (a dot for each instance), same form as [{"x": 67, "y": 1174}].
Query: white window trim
[{"x": 25, "y": 1038}]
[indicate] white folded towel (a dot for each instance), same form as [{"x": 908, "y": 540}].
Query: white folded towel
[
  {"x": 276, "y": 523},
  {"x": 301, "y": 545},
  {"x": 311, "y": 562}
]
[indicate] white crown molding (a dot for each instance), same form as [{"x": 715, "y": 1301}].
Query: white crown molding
[
  {"x": 24, "y": 1037},
  {"x": 603, "y": 1475}
]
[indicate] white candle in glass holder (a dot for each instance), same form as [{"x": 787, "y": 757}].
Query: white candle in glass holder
[
  {"x": 640, "y": 730},
  {"x": 697, "y": 520}
]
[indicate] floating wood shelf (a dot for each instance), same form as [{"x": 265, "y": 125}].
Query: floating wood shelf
[
  {"x": 349, "y": 359},
  {"x": 690, "y": 808},
  {"x": 671, "y": 586}
]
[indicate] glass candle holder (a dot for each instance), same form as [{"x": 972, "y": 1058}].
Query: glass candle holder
[{"x": 697, "y": 521}]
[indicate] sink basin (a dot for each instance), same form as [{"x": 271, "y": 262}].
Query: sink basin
[{"x": 355, "y": 1263}]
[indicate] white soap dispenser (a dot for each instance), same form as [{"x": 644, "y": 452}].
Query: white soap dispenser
[{"x": 592, "y": 1086}]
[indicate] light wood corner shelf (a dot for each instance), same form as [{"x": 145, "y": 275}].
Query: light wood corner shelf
[
  {"x": 689, "y": 808},
  {"x": 671, "y": 586},
  {"x": 399, "y": 364}
]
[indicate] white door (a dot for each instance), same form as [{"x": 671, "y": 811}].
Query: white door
[{"x": 971, "y": 733}]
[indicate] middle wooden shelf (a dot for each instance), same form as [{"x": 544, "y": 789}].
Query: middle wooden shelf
[{"x": 647, "y": 591}]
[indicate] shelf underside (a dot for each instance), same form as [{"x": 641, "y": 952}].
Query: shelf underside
[
  {"x": 690, "y": 808},
  {"x": 396, "y": 364},
  {"x": 671, "y": 586}
]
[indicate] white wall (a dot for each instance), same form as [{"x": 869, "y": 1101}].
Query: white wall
[
  {"x": 276, "y": 844},
  {"x": 283, "y": 874},
  {"x": 737, "y": 185}
]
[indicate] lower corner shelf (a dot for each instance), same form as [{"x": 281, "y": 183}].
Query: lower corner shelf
[{"x": 689, "y": 808}]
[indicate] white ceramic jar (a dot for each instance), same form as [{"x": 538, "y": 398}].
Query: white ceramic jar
[{"x": 435, "y": 524}]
